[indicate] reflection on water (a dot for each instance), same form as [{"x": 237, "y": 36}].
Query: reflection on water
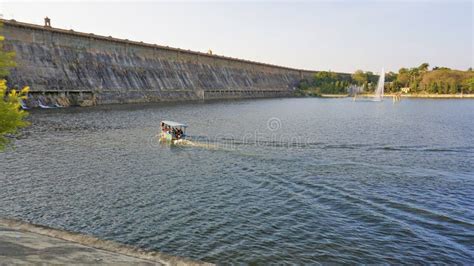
[{"x": 285, "y": 180}]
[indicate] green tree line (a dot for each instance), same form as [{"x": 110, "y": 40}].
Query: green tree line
[
  {"x": 438, "y": 80},
  {"x": 324, "y": 82}
]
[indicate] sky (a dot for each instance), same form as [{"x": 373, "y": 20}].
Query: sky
[{"x": 340, "y": 36}]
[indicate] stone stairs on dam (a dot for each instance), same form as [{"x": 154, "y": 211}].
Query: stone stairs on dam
[{"x": 79, "y": 67}]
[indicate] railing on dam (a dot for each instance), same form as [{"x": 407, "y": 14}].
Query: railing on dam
[{"x": 93, "y": 36}]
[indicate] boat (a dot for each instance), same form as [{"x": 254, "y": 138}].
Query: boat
[{"x": 172, "y": 132}]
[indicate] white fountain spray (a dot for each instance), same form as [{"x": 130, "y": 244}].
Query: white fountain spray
[{"x": 380, "y": 86}]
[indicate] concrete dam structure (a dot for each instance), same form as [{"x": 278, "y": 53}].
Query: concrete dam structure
[{"x": 88, "y": 69}]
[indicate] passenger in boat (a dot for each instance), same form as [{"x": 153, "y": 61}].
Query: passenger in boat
[{"x": 179, "y": 133}]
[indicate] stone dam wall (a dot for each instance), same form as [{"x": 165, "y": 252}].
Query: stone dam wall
[{"x": 89, "y": 69}]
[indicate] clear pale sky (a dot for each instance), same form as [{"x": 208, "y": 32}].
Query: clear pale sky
[{"x": 318, "y": 35}]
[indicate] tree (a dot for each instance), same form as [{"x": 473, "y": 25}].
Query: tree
[
  {"x": 440, "y": 87},
  {"x": 424, "y": 67},
  {"x": 360, "y": 77},
  {"x": 467, "y": 85},
  {"x": 11, "y": 116},
  {"x": 390, "y": 76},
  {"x": 433, "y": 88},
  {"x": 403, "y": 77},
  {"x": 453, "y": 87}
]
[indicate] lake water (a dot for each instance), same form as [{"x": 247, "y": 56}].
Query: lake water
[{"x": 285, "y": 180}]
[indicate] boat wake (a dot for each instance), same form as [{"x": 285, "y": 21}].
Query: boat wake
[{"x": 189, "y": 143}]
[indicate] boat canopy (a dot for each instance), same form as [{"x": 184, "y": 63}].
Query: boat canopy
[{"x": 174, "y": 124}]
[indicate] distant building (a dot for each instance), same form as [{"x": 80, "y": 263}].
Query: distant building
[
  {"x": 47, "y": 22},
  {"x": 354, "y": 90},
  {"x": 405, "y": 90}
]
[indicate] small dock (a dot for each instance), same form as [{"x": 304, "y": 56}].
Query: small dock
[{"x": 24, "y": 243}]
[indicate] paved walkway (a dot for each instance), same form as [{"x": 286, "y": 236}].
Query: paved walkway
[{"x": 23, "y": 243}]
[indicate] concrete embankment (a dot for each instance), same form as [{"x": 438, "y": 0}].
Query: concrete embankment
[
  {"x": 25, "y": 243},
  {"x": 87, "y": 69}
]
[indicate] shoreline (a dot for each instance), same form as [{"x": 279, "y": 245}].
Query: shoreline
[
  {"x": 437, "y": 96},
  {"x": 334, "y": 96},
  {"x": 433, "y": 96},
  {"x": 420, "y": 96},
  {"x": 200, "y": 101},
  {"x": 38, "y": 239}
]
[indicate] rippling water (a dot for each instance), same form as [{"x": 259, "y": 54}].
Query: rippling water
[{"x": 285, "y": 180}]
